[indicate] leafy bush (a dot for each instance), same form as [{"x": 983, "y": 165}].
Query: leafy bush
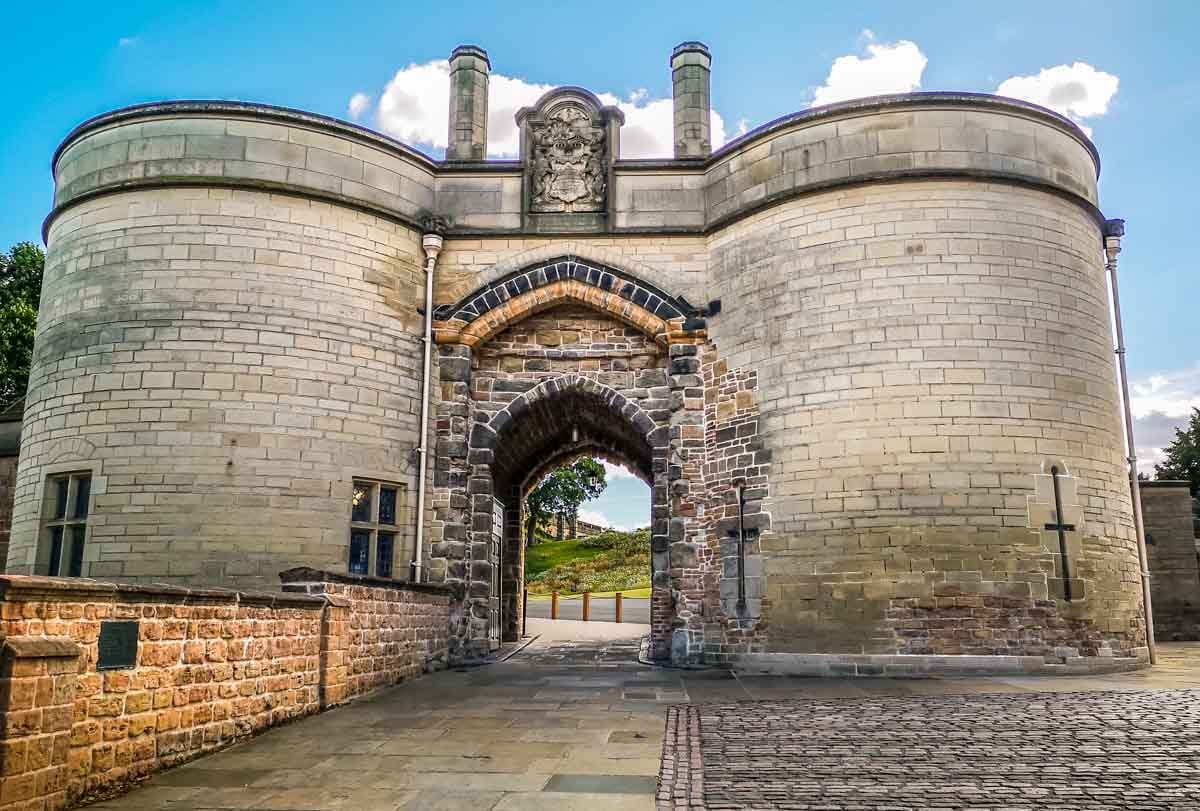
[{"x": 615, "y": 539}]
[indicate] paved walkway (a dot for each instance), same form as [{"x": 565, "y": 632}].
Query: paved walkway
[
  {"x": 603, "y": 609},
  {"x": 569, "y": 725}
]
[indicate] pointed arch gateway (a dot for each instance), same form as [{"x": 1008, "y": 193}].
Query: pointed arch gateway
[
  {"x": 559, "y": 419},
  {"x": 549, "y": 362}
]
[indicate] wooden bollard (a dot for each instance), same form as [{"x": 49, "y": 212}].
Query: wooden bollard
[
  {"x": 587, "y": 605},
  {"x": 618, "y": 599},
  {"x": 554, "y": 605},
  {"x": 524, "y": 610}
]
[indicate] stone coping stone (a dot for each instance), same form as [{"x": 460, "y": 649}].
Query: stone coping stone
[
  {"x": 355, "y": 132},
  {"x": 32, "y": 588},
  {"x": 924, "y": 666},
  {"x": 40, "y": 647},
  {"x": 303, "y": 575},
  {"x": 1164, "y": 484}
]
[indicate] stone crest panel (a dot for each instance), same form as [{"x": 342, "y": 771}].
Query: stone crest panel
[
  {"x": 568, "y": 165},
  {"x": 569, "y": 141}
]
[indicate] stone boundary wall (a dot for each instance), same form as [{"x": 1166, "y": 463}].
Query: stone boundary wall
[
  {"x": 395, "y": 630},
  {"x": 1171, "y": 555},
  {"x": 212, "y": 667},
  {"x": 8, "y": 486}
]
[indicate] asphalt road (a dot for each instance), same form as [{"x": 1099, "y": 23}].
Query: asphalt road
[{"x": 603, "y": 609}]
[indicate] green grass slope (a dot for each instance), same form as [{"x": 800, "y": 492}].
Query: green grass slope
[
  {"x": 544, "y": 556},
  {"x": 610, "y": 561}
]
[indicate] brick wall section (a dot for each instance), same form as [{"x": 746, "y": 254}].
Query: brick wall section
[
  {"x": 735, "y": 451},
  {"x": 213, "y": 667},
  {"x": 37, "y": 690},
  {"x": 394, "y": 631},
  {"x": 8, "y": 484},
  {"x": 953, "y": 621},
  {"x": 1171, "y": 553}
]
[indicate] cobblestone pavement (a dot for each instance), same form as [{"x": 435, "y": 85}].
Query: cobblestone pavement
[
  {"x": 1097, "y": 750},
  {"x": 573, "y": 723}
]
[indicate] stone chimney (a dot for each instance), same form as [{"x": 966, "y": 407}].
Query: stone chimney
[
  {"x": 469, "y": 67},
  {"x": 690, "y": 73}
]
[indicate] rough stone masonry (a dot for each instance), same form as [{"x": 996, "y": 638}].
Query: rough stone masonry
[{"x": 886, "y": 320}]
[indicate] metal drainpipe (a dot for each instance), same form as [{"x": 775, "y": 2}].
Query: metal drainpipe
[
  {"x": 740, "y": 484},
  {"x": 431, "y": 243},
  {"x": 1113, "y": 231}
]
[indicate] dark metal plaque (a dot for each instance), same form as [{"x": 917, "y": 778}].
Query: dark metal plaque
[{"x": 118, "y": 644}]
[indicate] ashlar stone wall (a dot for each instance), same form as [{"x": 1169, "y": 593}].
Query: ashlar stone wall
[
  {"x": 925, "y": 353},
  {"x": 913, "y": 334},
  {"x": 1167, "y": 514},
  {"x": 224, "y": 363},
  {"x": 8, "y": 483}
]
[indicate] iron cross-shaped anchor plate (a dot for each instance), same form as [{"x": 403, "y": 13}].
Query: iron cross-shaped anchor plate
[{"x": 1062, "y": 528}]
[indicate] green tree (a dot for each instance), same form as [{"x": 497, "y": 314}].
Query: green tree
[
  {"x": 20, "y": 290},
  {"x": 562, "y": 493},
  {"x": 1183, "y": 455}
]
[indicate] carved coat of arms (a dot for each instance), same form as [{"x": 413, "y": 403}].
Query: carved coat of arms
[{"x": 568, "y": 172}]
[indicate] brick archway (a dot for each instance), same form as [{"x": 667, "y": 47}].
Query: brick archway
[
  {"x": 559, "y": 418},
  {"x": 479, "y": 316}
]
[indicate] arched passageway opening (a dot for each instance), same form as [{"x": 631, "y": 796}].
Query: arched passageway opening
[
  {"x": 548, "y": 426},
  {"x": 568, "y": 357}
]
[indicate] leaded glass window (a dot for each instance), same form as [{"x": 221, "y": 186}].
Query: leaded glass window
[
  {"x": 374, "y": 524},
  {"x": 64, "y": 526}
]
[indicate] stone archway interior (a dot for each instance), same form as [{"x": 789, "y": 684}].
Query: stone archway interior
[
  {"x": 563, "y": 380},
  {"x": 557, "y": 427}
]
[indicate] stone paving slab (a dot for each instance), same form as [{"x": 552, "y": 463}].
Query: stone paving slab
[
  {"x": 1057, "y": 750},
  {"x": 550, "y": 728},
  {"x": 478, "y": 738}
]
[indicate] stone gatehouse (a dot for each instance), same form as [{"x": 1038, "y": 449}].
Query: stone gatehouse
[{"x": 870, "y": 341}]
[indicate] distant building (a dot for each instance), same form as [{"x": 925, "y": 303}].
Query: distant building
[{"x": 576, "y": 529}]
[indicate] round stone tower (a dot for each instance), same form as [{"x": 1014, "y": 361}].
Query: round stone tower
[{"x": 861, "y": 353}]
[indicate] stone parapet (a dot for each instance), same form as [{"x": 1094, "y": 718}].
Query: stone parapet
[
  {"x": 259, "y": 146},
  {"x": 209, "y": 667},
  {"x": 394, "y": 631}
]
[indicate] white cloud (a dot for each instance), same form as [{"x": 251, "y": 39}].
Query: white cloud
[
  {"x": 359, "y": 103},
  {"x": 887, "y": 68},
  {"x": 614, "y": 472},
  {"x": 1078, "y": 91},
  {"x": 1160, "y": 404},
  {"x": 600, "y": 519},
  {"x": 127, "y": 42},
  {"x": 415, "y": 107}
]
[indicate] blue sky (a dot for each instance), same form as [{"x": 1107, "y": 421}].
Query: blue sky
[{"x": 67, "y": 61}]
